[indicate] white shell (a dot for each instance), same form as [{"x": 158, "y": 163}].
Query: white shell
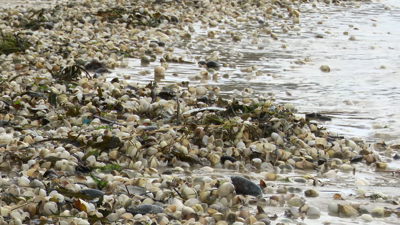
[
  {"x": 225, "y": 189},
  {"x": 50, "y": 208}
]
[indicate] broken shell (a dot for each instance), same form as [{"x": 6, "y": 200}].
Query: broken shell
[
  {"x": 188, "y": 193},
  {"x": 347, "y": 210}
]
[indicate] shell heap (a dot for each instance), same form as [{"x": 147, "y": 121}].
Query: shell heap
[{"x": 77, "y": 148}]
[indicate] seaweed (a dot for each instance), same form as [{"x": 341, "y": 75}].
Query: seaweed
[
  {"x": 136, "y": 17},
  {"x": 10, "y": 43},
  {"x": 71, "y": 73}
]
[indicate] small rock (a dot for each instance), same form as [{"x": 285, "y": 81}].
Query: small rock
[
  {"x": 224, "y": 158},
  {"x": 300, "y": 180},
  {"x": 94, "y": 65},
  {"x": 93, "y": 193},
  {"x": 378, "y": 212},
  {"x": 213, "y": 23},
  {"x": 333, "y": 208},
  {"x": 296, "y": 201},
  {"x": 210, "y": 64},
  {"x": 356, "y": 159},
  {"x": 48, "y": 25},
  {"x": 159, "y": 71},
  {"x": 311, "y": 193},
  {"x": 144, "y": 209},
  {"x": 245, "y": 186},
  {"x": 366, "y": 217},
  {"x": 325, "y": 68},
  {"x": 346, "y": 168},
  {"x": 313, "y": 212},
  {"x": 270, "y": 176},
  {"x": 145, "y": 59},
  {"x": 201, "y": 91},
  {"x": 381, "y": 165}
]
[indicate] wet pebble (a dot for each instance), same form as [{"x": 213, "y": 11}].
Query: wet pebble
[
  {"x": 245, "y": 186},
  {"x": 325, "y": 68}
]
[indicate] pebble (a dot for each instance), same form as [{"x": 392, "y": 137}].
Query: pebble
[
  {"x": 325, "y": 68},
  {"x": 159, "y": 71},
  {"x": 366, "y": 217},
  {"x": 378, "y": 212},
  {"x": 144, "y": 209},
  {"x": 313, "y": 212},
  {"x": 296, "y": 201},
  {"x": 245, "y": 186}
]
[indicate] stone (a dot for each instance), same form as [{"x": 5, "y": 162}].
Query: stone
[{"x": 245, "y": 186}]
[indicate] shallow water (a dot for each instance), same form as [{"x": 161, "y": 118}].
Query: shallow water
[{"x": 361, "y": 92}]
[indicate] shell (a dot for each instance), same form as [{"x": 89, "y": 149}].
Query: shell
[{"x": 50, "y": 208}]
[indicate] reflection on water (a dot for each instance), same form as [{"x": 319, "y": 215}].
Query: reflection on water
[{"x": 361, "y": 91}]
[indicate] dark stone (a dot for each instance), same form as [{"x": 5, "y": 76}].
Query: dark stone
[
  {"x": 167, "y": 171},
  {"x": 93, "y": 193},
  {"x": 167, "y": 94},
  {"x": 159, "y": 43},
  {"x": 130, "y": 87},
  {"x": 202, "y": 62},
  {"x": 397, "y": 156},
  {"x": 50, "y": 174},
  {"x": 102, "y": 70},
  {"x": 321, "y": 161},
  {"x": 245, "y": 186},
  {"x": 82, "y": 169},
  {"x": 44, "y": 121},
  {"x": 94, "y": 65},
  {"x": 316, "y": 116},
  {"x": 286, "y": 167},
  {"x": 92, "y": 21},
  {"x": 203, "y": 99},
  {"x": 150, "y": 128},
  {"x": 174, "y": 19},
  {"x": 210, "y": 64},
  {"x": 48, "y": 25},
  {"x": 145, "y": 60},
  {"x": 115, "y": 80},
  {"x": 145, "y": 209},
  {"x": 338, "y": 155},
  {"x": 80, "y": 62},
  {"x": 356, "y": 159},
  {"x": 225, "y": 157}
]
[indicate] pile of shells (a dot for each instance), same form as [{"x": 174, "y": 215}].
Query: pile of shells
[{"x": 78, "y": 148}]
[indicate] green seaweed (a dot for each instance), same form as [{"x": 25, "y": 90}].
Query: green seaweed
[
  {"x": 10, "y": 43},
  {"x": 71, "y": 73},
  {"x": 100, "y": 184}
]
